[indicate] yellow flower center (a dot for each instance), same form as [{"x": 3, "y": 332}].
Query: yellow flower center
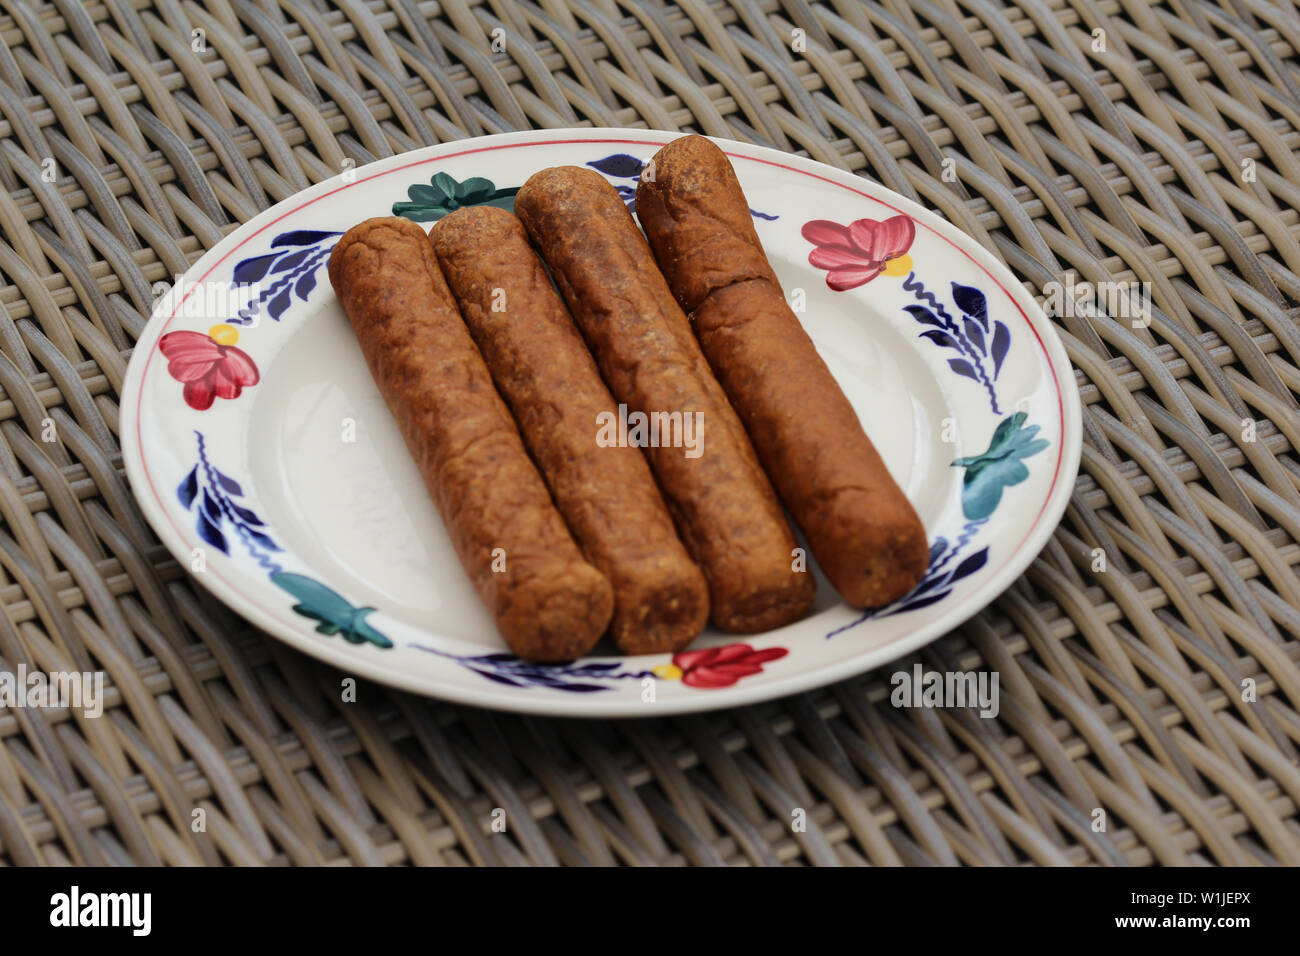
[
  {"x": 667, "y": 672},
  {"x": 224, "y": 334},
  {"x": 898, "y": 267}
]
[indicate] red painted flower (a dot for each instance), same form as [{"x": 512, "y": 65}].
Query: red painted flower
[
  {"x": 857, "y": 253},
  {"x": 721, "y": 666},
  {"x": 209, "y": 365}
]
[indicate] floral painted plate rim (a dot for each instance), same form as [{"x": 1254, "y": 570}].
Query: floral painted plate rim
[{"x": 846, "y": 255}]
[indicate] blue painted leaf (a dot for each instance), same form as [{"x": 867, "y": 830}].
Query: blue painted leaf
[
  {"x": 246, "y": 515},
  {"x": 971, "y": 301},
  {"x": 940, "y": 337},
  {"x": 189, "y": 488},
  {"x": 620, "y": 166},
  {"x": 763, "y": 215},
  {"x": 939, "y": 580},
  {"x": 1001, "y": 342},
  {"x": 262, "y": 539},
  {"x": 212, "y": 534},
  {"x": 503, "y": 658},
  {"x": 279, "y": 302},
  {"x": 962, "y": 368},
  {"x": 581, "y": 688},
  {"x": 971, "y": 564},
  {"x": 231, "y": 486},
  {"x": 937, "y": 549},
  {"x": 300, "y": 237},
  {"x": 916, "y": 605},
  {"x": 251, "y": 270},
  {"x": 922, "y": 315},
  {"x": 211, "y": 508},
  {"x": 594, "y": 666},
  {"x": 500, "y": 679},
  {"x": 555, "y": 683},
  {"x": 291, "y": 260},
  {"x": 975, "y": 334},
  {"x": 302, "y": 288}
]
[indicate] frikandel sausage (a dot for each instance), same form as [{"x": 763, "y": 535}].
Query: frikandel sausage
[
  {"x": 864, "y": 532},
  {"x": 724, "y": 506},
  {"x": 542, "y": 368},
  {"x": 549, "y": 603}
]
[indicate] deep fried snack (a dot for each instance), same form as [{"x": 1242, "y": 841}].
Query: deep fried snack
[
  {"x": 723, "y": 503},
  {"x": 861, "y": 527},
  {"x": 548, "y": 602},
  {"x": 543, "y": 370}
]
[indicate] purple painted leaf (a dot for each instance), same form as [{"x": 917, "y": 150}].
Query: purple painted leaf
[
  {"x": 916, "y": 605},
  {"x": 263, "y": 540},
  {"x": 762, "y": 215},
  {"x": 302, "y": 288},
  {"x": 300, "y": 237},
  {"x": 212, "y": 534},
  {"x": 620, "y": 166},
  {"x": 251, "y": 270},
  {"x": 231, "y": 486},
  {"x": 922, "y": 315},
  {"x": 971, "y": 564},
  {"x": 940, "y": 337},
  {"x": 246, "y": 515},
  {"x": 576, "y": 688},
  {"x": 1001, "y": 342},
  {"x": 210, "y": 507},
  {"x": 281, "y": 301},
  {"x": 502, "y": 658},
  {"x": 189, "y": 488},
  {"x": 498, "y": 678},
  {"x": 962, "y": 368},
  {"x": 939, "y": 580},
  {"x": 971, "y": 301},
  {"x": 291, "y": 260},
  {"x": 975, "y": 334},
  {"x": 582, "y": 688}
]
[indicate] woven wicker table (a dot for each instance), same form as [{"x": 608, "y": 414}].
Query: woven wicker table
[{"x": 1148, "y": 713}]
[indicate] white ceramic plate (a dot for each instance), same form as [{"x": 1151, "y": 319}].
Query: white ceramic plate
[{"x": 263, "y": 455}]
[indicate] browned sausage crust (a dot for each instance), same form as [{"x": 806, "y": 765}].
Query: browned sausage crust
[
  {"x": 548, "y": 602},
  {"x": 861, "y": 527},
  {"x": 723, "y": 503},
  {"x": 543, "y": 370}
]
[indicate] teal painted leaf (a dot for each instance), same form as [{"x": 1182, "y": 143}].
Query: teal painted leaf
[
  {"x": 335, "y": 614},
  {"x": 445, "y": 183},
  {"x": 987, "y": 475},
  {"x": 474, "y": 190},
  {"x": 444, "y": 194},
  {"x": 426, "y": 195}
]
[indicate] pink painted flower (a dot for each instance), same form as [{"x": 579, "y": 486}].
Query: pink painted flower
[
  {"x": 209, "y": 365},
  {"x": 855, "y": 254},
  {"x": 723, "y": 666}
]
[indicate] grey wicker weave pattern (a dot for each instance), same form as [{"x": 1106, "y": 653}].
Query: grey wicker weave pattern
[{"x": 1081, "y": 140}]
